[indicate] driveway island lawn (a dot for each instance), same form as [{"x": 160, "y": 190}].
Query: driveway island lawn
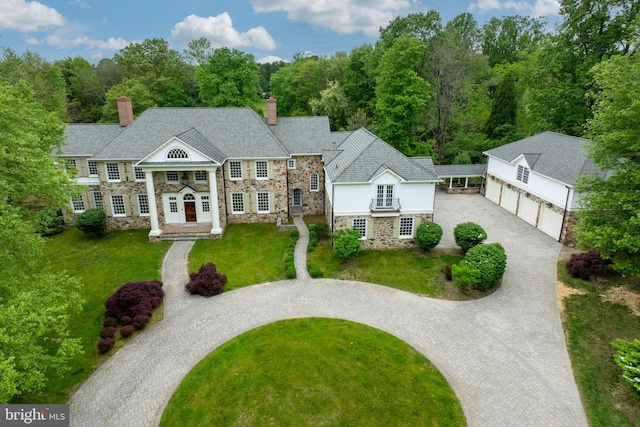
[{"x": 310, "y": 372}]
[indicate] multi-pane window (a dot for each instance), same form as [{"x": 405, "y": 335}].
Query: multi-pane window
[
  {"x": 237, "y": 202},
  {"x": 92, "y": 166},
  {"x": 261, "y": 169},
  {"x": 173, "y": 204},
  {"x": 263, "y": 202},
  {"x": 313, "y": 182},
  {"x": 117, "y": 205},
  {"x": 172, "y": 176},
  {"x": 143, "y": 204},
  {"x": 177, "y": 153},
  {"x": 77, "y": 204},
  {"x": 113, "y": 172},
  {"x": 291, "y": 164},
  {"x": 360, "y": 224},
  {"x": 97, "y": 200},
  {"x": 235, "y": 169},
  {"x": 206, "y": 207},
  {"x": 71, "y": 163},
  {"x": 406, "y": 227},
  {"x": 139, "y": 174},
  {"x": 200, "y": 176},
  {"x": 384, "y": 197},
  {"x": 523, "y": 174}
]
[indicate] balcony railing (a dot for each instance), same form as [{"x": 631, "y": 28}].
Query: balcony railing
[{"x": 385, "y": 205}]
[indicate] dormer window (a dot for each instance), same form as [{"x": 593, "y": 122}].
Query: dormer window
[
  {"x": 523, "y": 174},
  {"x": 177, "y": 153}
]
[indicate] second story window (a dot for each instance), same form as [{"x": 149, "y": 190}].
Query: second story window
[
  {"x": 523, "y": 174},
  {"x": 235, "y": 169},
  {"x": 313, "y": 182},
  {"x": 113, "y": 172},
  {"x": 262, "y": 172},
  {"x": 177, "y": 153},
  {"x": 92, "y": 166},
  {"x": 139, "y": 174},
  {"x": 172, "y": 176}
]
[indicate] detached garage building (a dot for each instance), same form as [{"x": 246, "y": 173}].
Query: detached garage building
[{"x": 534, "y": 179}]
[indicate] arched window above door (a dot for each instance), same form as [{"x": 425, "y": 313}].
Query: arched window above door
[
  {"x": 177, "y": 153},
  {"x": 188, "y": 197}
]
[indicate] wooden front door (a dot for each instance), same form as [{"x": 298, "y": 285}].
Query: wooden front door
[{"x": 190, "y": 212}]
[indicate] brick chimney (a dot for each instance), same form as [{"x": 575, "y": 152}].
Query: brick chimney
[
  {"x": 125, "y": 111},
  {"x": 272, "y": 111}
]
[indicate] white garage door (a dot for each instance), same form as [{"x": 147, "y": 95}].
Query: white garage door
[
  {"x": 509, "y": 200},
  {"x": 492, "y": 191},
  {"x": 528, "y": 210},
  {"x": 550, "y": 222}
]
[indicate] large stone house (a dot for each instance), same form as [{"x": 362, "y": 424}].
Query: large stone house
[{"x": 180, "y": 169}]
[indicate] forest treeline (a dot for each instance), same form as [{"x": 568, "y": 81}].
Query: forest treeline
[{"x": 451, "y": 90}]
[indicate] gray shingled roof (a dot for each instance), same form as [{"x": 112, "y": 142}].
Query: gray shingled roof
[
  {"x": 460, "y": 170},
  {"x": 306, "y": 135},
  {"x": 87, "y": 139},
  {"x": 554, "y": 155},
  {"x": 236, "y": 132},
  {"x": 363, "y": 155},
  {"x": 195, "y": 139}
]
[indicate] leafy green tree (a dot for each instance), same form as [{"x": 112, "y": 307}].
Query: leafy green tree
[
  {"x": 347, "y": 243},
  {"x": 505, "y": 108},
  {"x": 34, "y": 304},
  {"x": 627, "y": 357},
  {"x": 504, "y": 39},
  {"x": 151, "y": 59},
  {"x": 401, "y": 95},
  {"x": 296, "y": 85},
  {"x": 141, "y": 99},
  {"x": 609, "y": 218},
  {"x": 85, "y": 92},
  {"x": 333, "y": 103},
  {"x": 229, "y": 78},
  {"x": 422, "y": 26},
  {"x": 198, "y": 51},
  {"x": 359, "y": 78}
]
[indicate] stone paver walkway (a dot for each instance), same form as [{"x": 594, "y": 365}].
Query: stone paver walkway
[
  {"x": 504, "y": 355},
  {"x": 300, "y": 256}
]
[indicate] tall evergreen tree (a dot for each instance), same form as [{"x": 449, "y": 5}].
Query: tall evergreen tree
[{"x": 504, "y": 109}]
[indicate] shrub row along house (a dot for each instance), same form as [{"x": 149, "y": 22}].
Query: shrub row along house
[{"x": 181, "y": 169}]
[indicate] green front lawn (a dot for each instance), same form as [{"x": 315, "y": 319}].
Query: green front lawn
[
  {"x": 311, "y": 372},
  {"x": 409, "y": 270},
  {"x": 102, "y": 265},
  {"x": 247, "y": 254},
  {"x": 591, "y": 324}
]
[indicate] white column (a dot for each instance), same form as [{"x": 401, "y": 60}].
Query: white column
[
  {"x": 215, "y": 211},
  {"x": 451, "y": 182},
  {"x": 466, "y": 182},
  {"x": 153, "y": 208}
]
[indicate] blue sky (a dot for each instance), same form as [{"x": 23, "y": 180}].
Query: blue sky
[{"x": 269, "y": 29}]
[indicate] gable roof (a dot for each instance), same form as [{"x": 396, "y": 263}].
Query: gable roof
[
  {"x": 363, "y": 156},
  {"x": 234, "y": 132},
  {"x": 557, "y": 156},
  {"x": 307, "y": 135},
  {"x": 86, "y": 139}
]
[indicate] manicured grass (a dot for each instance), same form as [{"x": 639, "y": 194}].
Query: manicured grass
[
  {"x": 409, "y": 270},
  {"x": 311, "y": 372},
  {"x": 102, "y": 265},
  {"x": 247, "y": 254},
  {"x": 591, "y": 325}
]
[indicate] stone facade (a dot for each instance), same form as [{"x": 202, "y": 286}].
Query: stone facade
[
  {"x": 300, "y": 178},
  {"x": 382, "y": 232}
]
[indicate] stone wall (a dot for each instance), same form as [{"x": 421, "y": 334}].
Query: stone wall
[
  {"x": 300, "y": 177},
  {"x": 382, "y": 231}
]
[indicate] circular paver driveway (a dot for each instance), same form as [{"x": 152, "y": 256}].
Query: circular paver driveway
[{"x": 504, "y": 355}]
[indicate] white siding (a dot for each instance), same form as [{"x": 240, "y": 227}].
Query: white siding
[{"x": 356, "y": 198}]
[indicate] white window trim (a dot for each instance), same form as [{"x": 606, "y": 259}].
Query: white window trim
[
  {"x": 406, "y": 236},
  {"x": 195, "y": 177},
  {"x": 135, "y": 176},
  {"x": 95, "y": 201},
  {"x": 366, "y": 226},
  {"x": 138, "y": 196},
  {"x": 232, "y": 204},
  {"x": 92, "y": 175},
  {"x": 291, "y": 163},
  {"x": 73, "y": 206},
  {"x": 266, "y": 165},
  {"x": 232, "y": 178},
  {"x": 177, "y": 150},
  {"x": 166, "y": 177},
  {"x": 258, "y": 201},
  {"x": 317, "y": 182},
  {"x": 522, "y": 174},
  {"x": 207, "y": 200},
  {"x": 106, "y": 170},
  {"x": 113, "y": 205}
]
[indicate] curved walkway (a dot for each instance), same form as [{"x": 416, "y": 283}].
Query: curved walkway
[{"x": 504, "y": 355}]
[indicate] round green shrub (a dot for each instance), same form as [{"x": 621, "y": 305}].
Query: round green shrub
[
  {"x": 347, "y": 242},
  {"x": 428, "y": 235},
  {"x": 295, "y": 234},
  {"x": 314, "y": 270},
  {"x": 92, "y": 222},
  {"x": 468, "y": 235},
  {"x": 50, "y": 221},
  {"x": 489, "y": 261},
  {"x": 290, "y": 272}
]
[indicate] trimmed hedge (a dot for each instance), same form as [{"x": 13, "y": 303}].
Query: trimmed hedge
[
  {"x": 468, "y": 235},
  {"x": 428, "y": 235},
  {"x": 587, "y": 265},
  {"x": 92, "y": 222},
  {"x": 207, "y": 282},
  {"x": 126, "y": 330},
  {"x": 314, "y": 270},
  {"x": 347, "y": 242},
  {"x": 482, "y": 268},
  {"x": 105, "y": 344},
  {"x": 50, "y": 221}
]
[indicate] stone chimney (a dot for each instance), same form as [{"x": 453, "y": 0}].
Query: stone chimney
[
  {"x": 125, "y": 111},
  {"x": 272, "y": 111}
]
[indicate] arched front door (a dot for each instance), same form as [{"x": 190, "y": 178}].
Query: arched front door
[
  {"x": 190, "y": 208},
  {"x": 297, "y": 198}
]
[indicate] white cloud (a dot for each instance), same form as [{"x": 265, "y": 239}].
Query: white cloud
[
  {"x": 82, "y": 4},
  {"x": 72, "y": 36},
  {"x": 269, "y": 59},
  {"x": 220, "y": 32},
  {"x": 31, "y": 40},
  {"x": 21, "y": 15},
  {"x": 109, "y": 44},
  {"x": 538, "y": 9},
  {"x": 340, "y": 16}
]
